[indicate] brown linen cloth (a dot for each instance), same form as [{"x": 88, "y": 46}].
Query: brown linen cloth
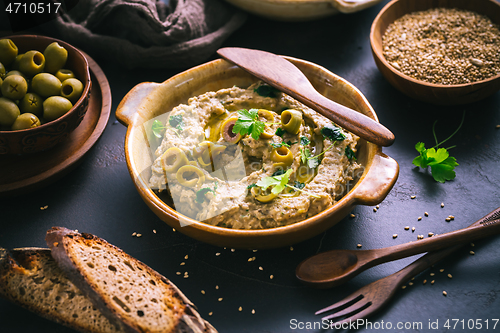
[{"x": 148, "y": 33}]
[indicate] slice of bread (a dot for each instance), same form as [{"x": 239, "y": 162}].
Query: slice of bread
[
  {"x": 31, "y": 278},
  {"x": 123, "y": 288}
]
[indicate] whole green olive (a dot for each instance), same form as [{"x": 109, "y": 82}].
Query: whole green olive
[
  {"x": 32, "y": 63},
  {"x": 2, "y": 71},
  {"x": 14, "y": 87},
  {"x": 8, "y": 51},
  {"x": 72, "y": 89},
  {"x": 31, "y": 103},
  {"x": 64, "y": 74},
  {"x": 8, "y": 112},
  {"x": 25, "y": 121},
  {"x": 15, "y": 72},
  {"x": 55, "y": 106},
  {"x": 15, "y": 63},
  {"x": 46, "y": 85},
  {"x": 55, "y": 57}
]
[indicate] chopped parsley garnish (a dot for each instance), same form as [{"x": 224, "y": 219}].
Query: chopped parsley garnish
[
  {"x": 200, "y": 194},
  {"x": 441, "y": 163},
  {"x": 299, "y": 185},
  {"x": 333, "y": 133},
  {"x": 280, "y": 182},
  {"x": 251, "y": 185},
  {"x": 280, "y": 131},
  {"x": 349, "y": 153},
  {"x": 176, "y": 122},
  {"x": 280, "y": 144},
  {"x": 266, "y": 90},
  {"x": 304, "y": 141},
  {"x": 248, "y": 123},
  {"x": 157, "y": 128}
]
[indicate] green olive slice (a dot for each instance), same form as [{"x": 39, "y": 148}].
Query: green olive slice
[
  {"x": 282, "y": 155},
  {"x": 291, "y": 120},
  {"x": 172, "y": 159},
  {"x": 266, "y": 116},
  {"x": 263, "y": 196},
  {"x": 190, "y": 176},
  {"x": 227, "y": 130}
]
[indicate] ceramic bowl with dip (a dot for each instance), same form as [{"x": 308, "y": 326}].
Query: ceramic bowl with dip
[
  {"x": 148, "y": 101},
  {"x": 49, "y": 134},
  {"x": 433, "y": 91}
]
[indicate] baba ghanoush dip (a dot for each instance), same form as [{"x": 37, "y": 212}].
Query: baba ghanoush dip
[{"x": 251, "y": 158}]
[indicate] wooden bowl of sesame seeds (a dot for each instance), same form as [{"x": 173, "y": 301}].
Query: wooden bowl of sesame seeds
[{"x": 443, "y": 52}]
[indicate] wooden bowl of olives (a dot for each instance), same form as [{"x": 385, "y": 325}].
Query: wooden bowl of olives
[{"x": 44, "y": 92}]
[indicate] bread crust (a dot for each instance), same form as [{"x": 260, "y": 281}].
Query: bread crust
[{"x": 73, "y": 251}]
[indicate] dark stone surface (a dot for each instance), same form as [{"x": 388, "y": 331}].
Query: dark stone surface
[{"x": 99, "y": 197}]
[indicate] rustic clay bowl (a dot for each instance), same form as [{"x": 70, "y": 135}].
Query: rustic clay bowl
[
  {"x": 301, "y": 10},
  {"x": 51, "y": 133},
  {"x": 432, "y": 93},
  {"x": 149, "y": 100}
]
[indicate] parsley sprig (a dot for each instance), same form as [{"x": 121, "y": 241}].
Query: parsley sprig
[
  {"x": 331, "y": 132},
  {"x": 441, "y": 163},
  {"x": 176, "y": 122},
  {"x": 248, "y": 123},
  {"x": 200, "y": 194},
  {"x": 280, "y": 182}
]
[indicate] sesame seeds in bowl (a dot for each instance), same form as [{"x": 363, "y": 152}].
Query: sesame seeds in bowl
[{"x": 446, "y": 55}]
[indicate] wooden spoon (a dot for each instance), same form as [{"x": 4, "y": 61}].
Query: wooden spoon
[
  {"x": 284, "y": 76},
  {"x": 332, "y": 268}
]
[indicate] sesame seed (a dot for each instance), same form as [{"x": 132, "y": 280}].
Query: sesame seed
[
  {"x": 139, "y": 235},
  {"x": 377, "y": 206},
  {"x": 203, "y": 292},
  {"x": 403, "y": 287},
  {"x": 407, "y": 228},
  {"x": 424, "y": 282},
  {"x": 352, "y": 215},
  {"x": 178, "y": 273},
  {"x": 173, "y": 229},
  {"x": 445, "y": 293},
  {"x": 442, "y": 204},
  {"x": 220, "y": 299},
  {"x": 182, "y": 263},
  {"x": 359, "y": 245},
  {"x": 254, "y": 250},
  {"x": 154, "y": 231},
  {"x": 134, "y": 234},
  {"x": 260, "y": 268},
  {"x": 472, "y": 253},
  {"x": 253, "y": 311},
  {"x": 441, "y": 270},
  {"x": 374, "y": 209},
  {"x": 419, "y": 218},
  {"x": 450, "y": 276},
  {"x": 271, "y": 276},
  {"x": 432, "y": 282},
  {"x": 186, "y": 256},
  {"x": 395, "y": 236},
  {"x": 447, "y": 219},
  {"x": 217, "y": 287},
  {"x": 451, "y": 217},
  {"x": 217, "y": 254},
  {"x": 240, "y": 309},
  {"x": 291, "y": 248},
  {"x": 426, "y": 214},
  {"x": 232, "y": 250},
  {"x": 497, "y": 126},
  {"x": 412, "y": 229},
  {"x": 413, "y": 196},
  {"x": 430, "y": 234},
  {"x": 432, "y": 274},
  {"x": 210, "y": 313},
  {"x": 410, "y": 283}
]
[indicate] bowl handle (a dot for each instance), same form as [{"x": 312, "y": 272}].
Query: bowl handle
[
  {"x": 126, "y": 110},
  {"x": 379, "y": 180},
  {"x": 351, "y": 6}
]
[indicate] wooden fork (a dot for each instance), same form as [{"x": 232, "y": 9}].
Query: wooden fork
[{"x": 371, "y": 298}]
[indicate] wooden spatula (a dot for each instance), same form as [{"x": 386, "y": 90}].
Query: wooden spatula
[{"x": 284, "y": 76}]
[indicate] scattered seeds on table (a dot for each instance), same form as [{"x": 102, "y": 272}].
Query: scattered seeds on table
[
  {"x": 271, "y": 276},
  {"x": 186, "y": 256},
  {"x": 240, "y": 309},
  {"x": 359, "y": 245},
  {"x": 419, "y": 218},
  {"x": 413, "y": 196},
  {"x": 178, "y": 273},
  {"x": 395, "y": 236},
  {"x": 253, "y": 311},
  {"x": 352, "y": 215},
  {"x": 220, "y": 299},
  {"x": 410, "y": 283},
  {"x": 291, "y": 248},
  {"x": 403, "y": 287},
  {"x": 442, "y": 204},
  {"x": 182, "y": 263},
  {"x": 413, "y": 229},
  {"x": 210, "y": 313},
  {"x": 432, "y": 282},
  {"x": 217, "y": 287},
  {"x": 472, "y": 252},
  {"x": 471, "y": 244},
  {"x": 203, "y": 292},
  {"x": 450, "y": 276},
  {"x": 138, "y": 235},
  {"x": 441, "y": 270},
  {"x": 173, "y": 229},
  {"x": 232, "y": 250},
  {"x": 445, "y": 293},
  {"x": 260, "y": 268},
  {"x": 430, "y": 234},
  {"x": 424, "y": 282},
  {"x": 217, "y": 254},
  {"x": 447, "y": 219},
  {"x": 134, "y": 234},
  {"x": 154, "y": 231},
  {"x": 432, "y": 274},
  {"x": 375, "y": 209},
  {"x": 407, "y": 228}
]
